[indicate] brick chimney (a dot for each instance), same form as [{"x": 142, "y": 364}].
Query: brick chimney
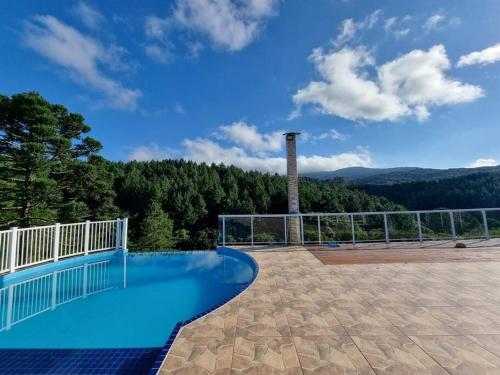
[{"x": 293, "y": 186}]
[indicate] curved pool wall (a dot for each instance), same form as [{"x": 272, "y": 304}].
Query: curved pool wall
[
  {"x": 98, "y": 360},
  {"x": 220, "y": 250}
]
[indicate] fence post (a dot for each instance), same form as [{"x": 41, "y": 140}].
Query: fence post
[
  {"x": 125, "y": 233},
  {"x": 302, "y": 229},
  {"x": 251, "y": 229},
  {"x": 353, "y": 232},
  {"x": 12, "y": 249},
  {"x": 386, "y": 229},
  {"x": 452, "y": 224},
  {"x": 319, "y": 230},
  {"x": 57, "y": 234},
  {"x": 485, "y": 224},
  {"x": 419, "y": 224},
  {"x": 118, "y": 239},
  {"x": 286, "y": 229},
  {"x": 87, "y": 238}
]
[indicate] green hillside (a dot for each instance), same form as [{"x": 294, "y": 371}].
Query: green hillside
[
  {"x": 388, "y": 176},
  {"x": 472, "y": 191}
]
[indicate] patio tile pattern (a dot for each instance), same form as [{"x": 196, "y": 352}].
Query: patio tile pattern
[{"x": 303, "y": 317}]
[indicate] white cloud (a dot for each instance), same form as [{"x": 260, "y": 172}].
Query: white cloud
[
  {"x": 486, "y": 56},
  {"x": 229, "y": 24},
  {"x": 205, "y": 150},
  {"x": 389, "y": 23},
  {"x": 178, "y": 108},
  {"x": 158, "y": 47},
  {"x": 407, "y": 86},
  {"x": 248, "y": 136},
  {"x": 251, "y": 150},
  {"x": 393, "y": 26},
  {"x": 151, "y": 152},
  {"x": 433, "y": 22},
  {"x": 401, "y": 33},
  {"x": 82, "y": 57},
  {"x": 158, "y": 53},
  {"x": 350, "y": 28},
  {"x": 89, "y": 16},
  {"x": 332, "y": 134},
  {"x": 347, "y": 32},
  {"x": 156, "y": 27},
  {"x": 483, "y": 163}
]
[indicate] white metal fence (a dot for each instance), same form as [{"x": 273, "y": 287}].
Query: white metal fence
[
  {"x": 356, "y": 227},
  {"x": 23, "y": 247}
]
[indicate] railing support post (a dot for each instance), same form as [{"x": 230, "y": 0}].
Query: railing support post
[
  {"x": 87, "y": 238},
  {"x": 125, "y": 233},
  {"x": 452, "y": 224},
  {"x": 353, "y": 232},
  {"x": 118, "y": 239},
  {"x": 12, "y": 249},
  {"x": 57, "y": 234},
  {"x": 285, "y": 229},
  {"x": 223, "y": 231},
  {"x": 302, "y": 229},
  {"x": 386, "y": 229},
  {"x": 251, "y": 230},
  {"x": 485, "y": 225},
  {"x": 319, "y": 230},
  {"x": 419, "y": 224}
]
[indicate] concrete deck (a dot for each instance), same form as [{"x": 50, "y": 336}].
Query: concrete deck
[{"x": 303, "y": 317}]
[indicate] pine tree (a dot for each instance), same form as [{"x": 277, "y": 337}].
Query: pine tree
[{"x": 156, "y": 229}]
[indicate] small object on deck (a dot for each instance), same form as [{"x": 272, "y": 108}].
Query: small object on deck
[
  {"x": 460, "y": 245},
  {"x": 333, "y": 244}
]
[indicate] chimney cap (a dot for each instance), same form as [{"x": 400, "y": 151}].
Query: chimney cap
[{"x": 291, "y": 133}]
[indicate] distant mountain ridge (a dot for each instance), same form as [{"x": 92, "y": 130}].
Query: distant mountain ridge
[{"x": 390, "y": 176}]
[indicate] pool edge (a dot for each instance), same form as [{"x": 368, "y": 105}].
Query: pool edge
[{"x": 165, "y": 350}]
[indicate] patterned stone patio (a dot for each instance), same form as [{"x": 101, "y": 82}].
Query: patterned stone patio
[{"x": 303, "y": 317}]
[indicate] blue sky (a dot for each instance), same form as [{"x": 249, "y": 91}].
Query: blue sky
[{"x": 382, "y": 84}]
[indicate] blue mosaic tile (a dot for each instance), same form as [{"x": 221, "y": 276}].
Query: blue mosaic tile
[{"x": 135, "y": 361}]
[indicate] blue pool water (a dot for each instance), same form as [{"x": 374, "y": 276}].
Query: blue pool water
[{"x": 120, "y": 300}]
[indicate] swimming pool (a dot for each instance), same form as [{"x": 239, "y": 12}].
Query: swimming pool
[{"x": 115, "y": 301}]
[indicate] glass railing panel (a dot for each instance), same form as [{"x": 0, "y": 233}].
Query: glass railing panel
[
  {"x": 269, "y": 230},
  {"x": 468, "y": 224},
  {"x": 336, "y": 228},
  {"x": 493, "y": 219},
  {"x": 238, "y": 230},
  {"x": 402, "y": 227},
  {"x": 369, "y": 228}
]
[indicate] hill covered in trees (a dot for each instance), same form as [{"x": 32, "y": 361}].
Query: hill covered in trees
[
  {"x": 50, "y": 171},
  {"x": 399, "y": 175},
  {"x": 472, "y": 191}
]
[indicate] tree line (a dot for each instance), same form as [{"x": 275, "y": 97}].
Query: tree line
[{"x": 51, "y": 171}]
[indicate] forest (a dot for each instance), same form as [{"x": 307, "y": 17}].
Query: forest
[
  {"x": 472, "y": 191},
  {"x": 51, "y": 171}
]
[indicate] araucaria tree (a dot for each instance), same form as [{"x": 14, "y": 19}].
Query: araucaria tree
[{"x": 45, "y": 160}]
